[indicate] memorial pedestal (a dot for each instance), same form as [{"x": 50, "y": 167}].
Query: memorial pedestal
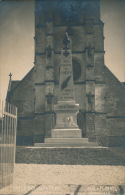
[{"x": 66, "y": 129}]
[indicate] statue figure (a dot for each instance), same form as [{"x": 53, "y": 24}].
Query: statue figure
[
  {"x": 81, "y": 122},
  {"x": 49, "y": 98},
  {"x": 66, "y": 41},
  {"x": 90, "y": 100},
  {"x": 89, "y": 51},
  {"x": 49, "y": 52}
]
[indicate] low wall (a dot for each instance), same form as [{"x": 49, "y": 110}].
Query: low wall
[{"x": 68, "y": 156}]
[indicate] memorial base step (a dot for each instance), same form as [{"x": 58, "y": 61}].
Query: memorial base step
[
  {"x": 66, "y": 133},
  {"x": 66, "y": 142},
  {"x": 66, "y": 145}
]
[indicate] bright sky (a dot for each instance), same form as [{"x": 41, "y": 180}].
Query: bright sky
[{"x": 17, "y": 43}]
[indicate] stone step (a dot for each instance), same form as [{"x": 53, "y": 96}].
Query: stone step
[
  {"x": 66, "y": 140},
  {"x": 65, "y": 145},
  {"x": 66, "y": 133}
]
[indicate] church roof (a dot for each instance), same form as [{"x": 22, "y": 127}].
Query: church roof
[
  {"x": 123, "y": 83},
  {"x": 14, "y": 84}
]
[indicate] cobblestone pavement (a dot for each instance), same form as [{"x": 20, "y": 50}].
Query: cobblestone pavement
[{"x": 36, "y": 179}]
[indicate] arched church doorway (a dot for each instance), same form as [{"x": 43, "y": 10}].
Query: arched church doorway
[{"x": 81, "y": 121}]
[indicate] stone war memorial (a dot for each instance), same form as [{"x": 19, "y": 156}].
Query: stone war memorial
[
  {"x": 69, "y": 96},
  {"x": 66, "y": 108},
  {"x": 66, "y": 129}
]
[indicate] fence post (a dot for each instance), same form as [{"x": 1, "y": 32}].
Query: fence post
[{"x": 7, "y": 143}]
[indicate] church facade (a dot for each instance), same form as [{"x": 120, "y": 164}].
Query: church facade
[{"x": 100, "y": 95}]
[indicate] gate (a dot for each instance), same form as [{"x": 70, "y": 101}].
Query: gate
[{"x": 8, "y": 127}]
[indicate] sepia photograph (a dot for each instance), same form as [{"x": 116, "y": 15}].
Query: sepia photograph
[{"x": 62, "y": 97}]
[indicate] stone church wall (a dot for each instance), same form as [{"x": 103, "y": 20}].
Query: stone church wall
[
  {"x": 80, "y": 96},
  {"x": 110, "y": 106},
  {"x": 115, "y": 105},
  {"x": 115, "y": 95}
]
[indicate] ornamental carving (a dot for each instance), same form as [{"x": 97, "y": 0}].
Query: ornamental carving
[{"x": 69, "y": 121}]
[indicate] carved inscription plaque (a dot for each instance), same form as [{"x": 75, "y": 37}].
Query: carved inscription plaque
[{"x": 66, "y": 78}]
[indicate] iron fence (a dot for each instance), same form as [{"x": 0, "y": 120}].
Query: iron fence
[{"x": 8, "y": 126}]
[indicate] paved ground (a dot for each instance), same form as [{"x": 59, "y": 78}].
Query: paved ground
[
  {"x": 50, "y": 179},
  {"x": 68, "y": 190},
  {"x": 67, "y": 180}
]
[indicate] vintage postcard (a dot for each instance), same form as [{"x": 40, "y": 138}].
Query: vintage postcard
[{"x": 62, "y": 97}]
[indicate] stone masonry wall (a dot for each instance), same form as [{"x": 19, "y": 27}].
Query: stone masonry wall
[{"x": 111, "y": 101}]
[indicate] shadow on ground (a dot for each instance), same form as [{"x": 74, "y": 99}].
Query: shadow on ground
[{"x": 69, "y": 189}]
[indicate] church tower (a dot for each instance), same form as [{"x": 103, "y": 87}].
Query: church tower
[
  {"x": 81, "y": 20},
  {"x": 99, "y": 94}
]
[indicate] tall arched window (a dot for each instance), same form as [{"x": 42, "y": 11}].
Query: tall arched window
[{"x": 76, "y": 69}]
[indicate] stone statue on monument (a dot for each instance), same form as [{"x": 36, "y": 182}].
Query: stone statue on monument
[{"x": 66, "y": 41}]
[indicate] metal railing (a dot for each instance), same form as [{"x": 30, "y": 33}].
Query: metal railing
[{"x": 8, "y": 127}]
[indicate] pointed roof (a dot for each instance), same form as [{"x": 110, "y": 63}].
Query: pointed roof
[{"x": 16, "y": 83}]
